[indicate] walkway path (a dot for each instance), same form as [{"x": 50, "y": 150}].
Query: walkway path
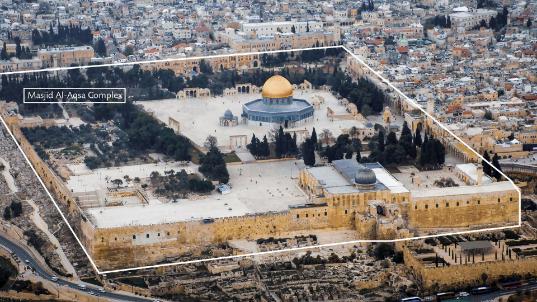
[
  {"x": 42, "y": 225},
  {"x": 8, "y": 177}
]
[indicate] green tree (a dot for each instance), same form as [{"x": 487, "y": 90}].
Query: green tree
[
  {"x": 100, "y": 47},
  {"x": 281, "y": 143},
  {"x": 496, "y": 163},
  {"x": 314, "y": 137},
  {"x": 118, "y": 182},
  {"x": 3, "y": 54},
  {"x": 380, "y": 140},
  {"x": 487, "y": 169},
  {"x": 213, "y": 166},
  {"x": 417, "y": 137},
  {"x": 383, "y": 251},
  {"x": 253, "y": 145},
  {"x": 205, "y": 67},
  {"x": 308, "y": 152},
  {"x": 391, "y": 139},
  {"x": 264, "y": 148}
]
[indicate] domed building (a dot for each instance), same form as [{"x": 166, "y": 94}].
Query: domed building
[
  {"x": 277, "y": 104},
  {"x": 228, "y": 119},
  {"x": 365, "y": 178}
]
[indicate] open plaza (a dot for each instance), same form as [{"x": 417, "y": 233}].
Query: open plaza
[
  {"x": 256, "y": 188},
  {"x": 200, "y": 117}
]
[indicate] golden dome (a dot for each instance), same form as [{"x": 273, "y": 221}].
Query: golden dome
[{"x": 277, "y": 87}]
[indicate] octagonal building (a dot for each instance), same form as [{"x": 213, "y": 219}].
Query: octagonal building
[{"x": 277, "y": 104}]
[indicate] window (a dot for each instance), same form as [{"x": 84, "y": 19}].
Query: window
[
  {"x": 437, "y": 206},
  {"x": 479, "y": 202},
  {"x": 133, "y": 236},
  {"x": 325, "y": 213},
  {"x": 498, "y": 200},
  {"x": 457, "y": 203},
  {"x": 146, "y": 235},
  {"x": 345, "y": 212},
  {"x": 297, "y": 216},
  {"x": 306, "y": 215},
  {"x": 426, "y": 206}
]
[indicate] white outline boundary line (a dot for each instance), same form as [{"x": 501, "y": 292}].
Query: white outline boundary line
[{"x": 412, "y": 102}]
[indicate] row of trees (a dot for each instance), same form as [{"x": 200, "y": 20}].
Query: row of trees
[
  {"x": 343, "y": 148},
  {"x": 367, "y": 97},
  {"x": 388, "y": 150},
  {"x": 285, "y": 144},
  {"x": 145, "y": 132},
  {"x": 139, "y": 134},
  {"x": 258, "y": 148},
  {"x": 64, "y": 35},
  {"x": 433, "y": 153},
  {"x": 142, "y": 84},
  {"x": 21, "y": 52},
  {"x": 306, "y": 56},
  {"x": 60, "y": 136},
  {"x": 496, "y": 23},
  {"x": 442, "y": 21},
  {"x": 178, "y": 184}
]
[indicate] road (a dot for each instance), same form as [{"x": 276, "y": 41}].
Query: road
[
  {"x": 23, "y": 255},
  {"x": 490, "y": 297}
]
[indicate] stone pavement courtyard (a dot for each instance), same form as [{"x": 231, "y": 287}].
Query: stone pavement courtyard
[{"x": 199, "y": 117}]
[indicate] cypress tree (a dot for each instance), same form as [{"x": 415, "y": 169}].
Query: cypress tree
[
  {"x": 314, "y": 137},
  {"x": 496, "y": 164},
  {"x": 308, "y": 152},
  {"x": 380, "y": 140},
  {"x": 3, "y": 54},
  {"x": 417, "y": 138},
  {"x": 253, "y": 146},
  {"x": 265, "y": 149},
  {"x": 281, "y": 143},
  {"x": 487, "y": 169},
  {"x": 424, "y": 154}
]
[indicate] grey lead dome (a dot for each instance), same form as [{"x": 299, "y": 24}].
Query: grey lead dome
[
  {"x": 365, "y": 176},
  {"x": 228, "y": 115}
]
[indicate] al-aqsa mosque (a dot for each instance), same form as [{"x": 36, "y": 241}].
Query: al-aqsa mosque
[{"x": 277, "y": 104}]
